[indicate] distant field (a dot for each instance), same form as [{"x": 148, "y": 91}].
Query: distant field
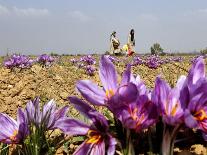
[{"x": 58, "y": 81}]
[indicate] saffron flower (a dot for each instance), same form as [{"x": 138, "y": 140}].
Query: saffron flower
[
  {"x": 45, "y": 59},
  {"x": 11, "y": 131},
  {"x": 19, "y": 61},
  {"x": 99, "y": 141},
  {"x": 88, "y": 60},
  {"x": 49, "y": 115},
  {"x": 168, "y": 101},
  {"x": 90, "y": 70},
  {"x": 108, "y": 75},
  {"x": 135, "y": 111}
]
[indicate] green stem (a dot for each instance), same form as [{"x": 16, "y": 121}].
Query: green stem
[
  {"x": 129, "y": 150},
  {"x": 169, "y": 135}
]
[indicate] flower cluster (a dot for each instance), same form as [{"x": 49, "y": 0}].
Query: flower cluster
[
  {"x": 45, "y": 59},
  {"x": 86, "y": 62},
  {"x": 18, "y": 61},
  {"x": 154, "y": 61},
  {"x": 113, "y": 59},
  {"x": 138, "y": 108},
  {"x": 31, "y": 121}
]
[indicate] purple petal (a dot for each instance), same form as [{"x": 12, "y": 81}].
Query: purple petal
[
  {"x": 22, "y": 132},
  {"x": 161, "y": 92},
  {"x": 112, "y": 146},
  {"x": 98, "y": 149},
  {"x": 98, "y": 119},
  {"x": 91, "y": 92},
  {"x": 82, "y": 106},
  {"x": 61, "y": 112},
  {"x": 181, "y": 82},
  {"x": 128, "y": 93},
  {"x": 21, "y": 118},
  {"x": 72, "y": 127},
  {"x": 197, "y": 71},
  {"x": 33, "y": 111},
  {"x": 7, "y": 127},
  {"x": 83, "y": 149},
  {"x": 48, "y": 109},
  {"x": 190, "y": 120},
  {"x": 107, "y": 74},
  {"x": 126, "y": 75}
]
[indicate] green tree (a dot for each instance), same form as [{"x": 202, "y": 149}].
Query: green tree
[{"x": 156, "y": 49}]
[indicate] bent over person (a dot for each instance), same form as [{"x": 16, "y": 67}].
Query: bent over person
[{"x": 114, "y": 44}]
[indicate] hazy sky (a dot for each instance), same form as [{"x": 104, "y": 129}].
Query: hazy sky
[{"x": 84, "y": 26}]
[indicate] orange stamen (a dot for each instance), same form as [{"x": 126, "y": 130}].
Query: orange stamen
[
  {"x": 174, "y": 109},
  {"x": 109, "y": 93},
  {"x": 93, "y": 137},
  {"x": 200, "y": 115},
  {"x": 13, "y": 137}
]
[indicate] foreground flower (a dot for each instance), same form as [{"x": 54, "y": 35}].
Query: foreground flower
[
  {"x": 108, "y": 75},
  {"x": 168, "y": 101},
  {"x": 176, "y": 103},
  {"x": 11, "y": 131},
  {"x": 196, "y": 110},
  {"x": 135, "y": 111},
  {"x": 49, "y": 115},
  {"x": 99, "y": 141}
]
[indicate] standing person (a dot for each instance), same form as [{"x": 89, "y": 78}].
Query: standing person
[
  {"x": 131, "y": 41},
  {"x": 114, "y": 44}
]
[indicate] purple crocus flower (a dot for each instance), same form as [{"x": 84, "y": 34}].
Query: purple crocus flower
[
  {"x": 168, "y": 101},
  {"x": 90, "y": 70},
  {"x": 194, "y": 79},
  {"x": 45, "y": 59},
  {"x": 113, "y": 59},
  {"x": 19, "y": 61},
  {"x": 135, "y": 111},
  {"x": 138, "y": 61},
  {"x": 108, "y": 75},
  {"x": 99, "y": 141},
  {"x": 47, "y": 117},
  {"x": 73, "y": 60},
  {"x": 196, "y": 112},
  {"x": 88, "y": 60},
  {"x": 11, "y": 131}
]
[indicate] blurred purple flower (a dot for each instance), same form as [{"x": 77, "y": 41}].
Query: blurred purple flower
[
  {"x": 90, "y": 70},
  {"x": 73, "y": 60},
  {"x": 138, "y": 61},
  {"x": 19, "y": 61},
  {"x": 11, "y": 131},
  {"x": 88, "y": 60},
  {"x": 99, "y": 141},
  {"x": 45, "y": 59},
  {"x": 113, "y": 59}
]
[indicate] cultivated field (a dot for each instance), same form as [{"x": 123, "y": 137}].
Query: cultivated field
[{"x": 18, "y": 86}]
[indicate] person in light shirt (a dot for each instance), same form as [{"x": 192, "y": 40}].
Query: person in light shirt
[{"x": 114, "y": 44}]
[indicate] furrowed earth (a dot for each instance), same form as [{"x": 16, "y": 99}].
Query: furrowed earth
[{"x": 58, "y": 81}]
